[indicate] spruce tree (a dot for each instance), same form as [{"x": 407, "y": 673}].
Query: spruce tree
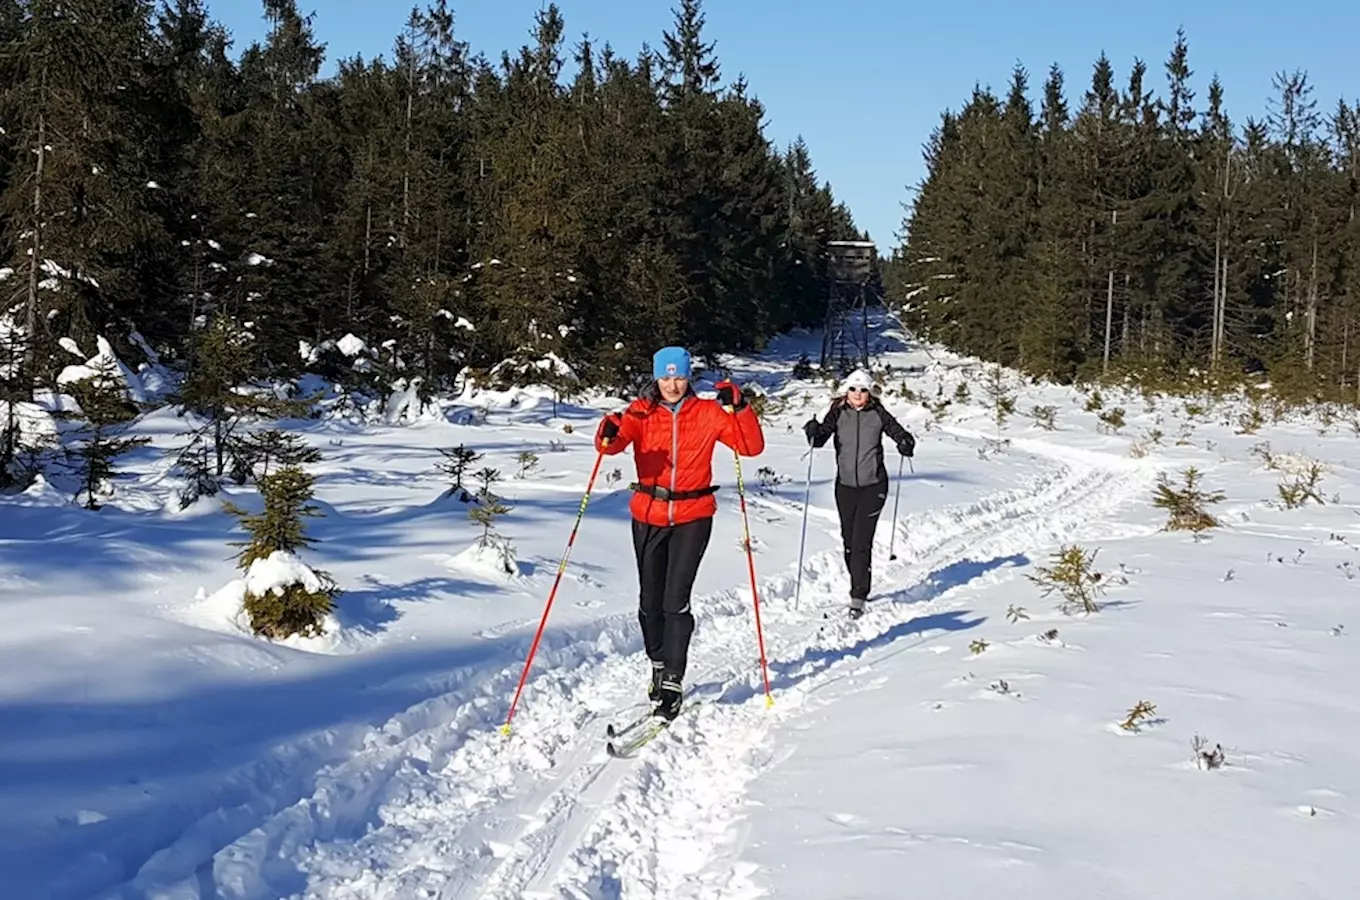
[{"x": 300, "y": 604}]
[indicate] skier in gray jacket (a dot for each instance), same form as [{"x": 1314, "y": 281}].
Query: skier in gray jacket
[{"x": 857, "y": 423}]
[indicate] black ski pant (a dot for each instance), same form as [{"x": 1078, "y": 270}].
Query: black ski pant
[
  {"x": 859, "y": 508},
  {"x": 668, "y": 560}
]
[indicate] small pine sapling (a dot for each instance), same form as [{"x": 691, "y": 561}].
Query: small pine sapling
[
  {"x": 454, "y": 466},
  {"x": 1267, "y": 456},
  {"x": 1095, "y": 402},
  {"x": 1071, "y": 576},
  {"x": 1112, "y": 420},
  {"x": 1015, "y": 613},
  {"x": 1046, "y": 417},
  {"x": 487, "y": 476},
  {"x": 1141, "y": 713},
  {"x": 978, "y": 646},
  {"x": 769, "y": 479},
  {"x": 276, "y": 535},
  {"x": 486, "y": 514},
  {"x": 1001, "y": 400},
  {"x": 274, "y": 446},
  {"x": 1298, "y": 487},
  {"x": 1186, "y": 506},
  {"x": 528, "y": 462},
  {"x": 107, "y": 413},
  {"x": 1250, "y": 421},
  {"x": 224, "y": 360},
  {"x": 802, "y": 369}
]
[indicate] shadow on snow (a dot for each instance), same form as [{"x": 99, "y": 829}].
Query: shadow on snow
[{"x": 814, "y": 660}]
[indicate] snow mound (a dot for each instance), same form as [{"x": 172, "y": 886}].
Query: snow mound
[
  {"x": 493, "y": 559},
  {"x": 104, "y": 360},
  {"x": 223, "y": 611},
  {"x": 404, "y": 404}
]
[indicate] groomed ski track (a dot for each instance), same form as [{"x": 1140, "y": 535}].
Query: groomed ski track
[{"x": 437, "y": 803}]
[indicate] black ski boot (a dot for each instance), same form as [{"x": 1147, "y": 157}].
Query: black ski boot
[
  {"x": 672, "y": 693},
  {"x": 856, "y": 607},
  {"x": 654, "y": 689}
]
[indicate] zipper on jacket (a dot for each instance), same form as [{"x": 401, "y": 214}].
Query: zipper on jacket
[
  {"x": 675, "y": 458},
  {"x": 858, "y": 427}
]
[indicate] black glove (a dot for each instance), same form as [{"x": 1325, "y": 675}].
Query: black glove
[
  {"x": 610, "y": 428},
  {"x": 907, "y": 446},
  {"x": 810, "y": 429},
  {"x": 729, "y": 396}
]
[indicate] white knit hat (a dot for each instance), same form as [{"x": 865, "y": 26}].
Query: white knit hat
[{"x": 859, "y": 379}]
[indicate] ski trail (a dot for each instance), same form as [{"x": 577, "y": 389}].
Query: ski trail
[
  {"x": 669, "y": 829},
  {"x": 437, "y": 803}
]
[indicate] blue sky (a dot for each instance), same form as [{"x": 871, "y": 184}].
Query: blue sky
[{"x": 864, "y": 81}]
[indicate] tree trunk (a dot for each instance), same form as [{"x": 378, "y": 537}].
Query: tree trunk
[
  {"x": 35, "y": 258},
  {"x": 406, "y": 161},
  {"x": 1310, "y": 339},
  {"x": 1124, "y": 332},
  {"x": 1109, "y": 300},
  {"x": 1218, "y": 257},
  {"x": 1223, "y": 305},
  {"x": 368, "y": 238}
]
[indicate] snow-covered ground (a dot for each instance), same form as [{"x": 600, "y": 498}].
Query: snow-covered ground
[{"x": 948, "y": 744}]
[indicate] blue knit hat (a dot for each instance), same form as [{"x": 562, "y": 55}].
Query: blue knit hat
[{"x": 671, "y": 362}]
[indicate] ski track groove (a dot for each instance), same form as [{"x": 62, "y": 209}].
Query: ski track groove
[{"x": 437, "y": 804}]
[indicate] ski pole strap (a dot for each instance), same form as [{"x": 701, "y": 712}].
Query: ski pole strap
[{"x": 664, "y": 493}]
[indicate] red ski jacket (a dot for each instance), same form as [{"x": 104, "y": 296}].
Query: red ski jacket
[{"x": 673, "y": 452}]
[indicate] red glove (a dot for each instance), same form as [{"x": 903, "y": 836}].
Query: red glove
[{"x": 730, "y": 396}]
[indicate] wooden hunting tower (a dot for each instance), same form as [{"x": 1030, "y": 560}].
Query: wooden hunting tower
[{"x": 849, "y": 268}]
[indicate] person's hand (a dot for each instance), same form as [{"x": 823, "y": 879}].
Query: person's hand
[
  {"x": 810, "y": 429},
  {"x": 609, "y": 428},
  {"x": 730, "y": 396},
  {"x": 907, "y": 446}
]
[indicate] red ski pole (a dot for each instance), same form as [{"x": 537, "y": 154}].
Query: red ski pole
[
  {"x": 751, "y": 563},
  {"x": 561, "y": 567}
]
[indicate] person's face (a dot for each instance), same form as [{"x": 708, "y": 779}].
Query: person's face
[
  {"x": 857, "y": 397},
  {"x": 672, "y": 387}
]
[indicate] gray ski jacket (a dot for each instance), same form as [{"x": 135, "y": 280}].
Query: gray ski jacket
[{"x": 857, "y": 436}]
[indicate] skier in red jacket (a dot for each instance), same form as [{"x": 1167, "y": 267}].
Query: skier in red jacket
[{"x": 673, "y": 432}]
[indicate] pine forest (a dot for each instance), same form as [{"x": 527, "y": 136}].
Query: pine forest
[
  {"x": 1125, "y": 233},
  {"x": 458, "y": 214}
]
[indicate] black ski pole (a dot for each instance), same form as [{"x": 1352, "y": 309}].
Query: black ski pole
[{"x": 892, "y": 539}]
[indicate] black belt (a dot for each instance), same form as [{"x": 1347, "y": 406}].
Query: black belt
[{"x": 661, "y": 493}]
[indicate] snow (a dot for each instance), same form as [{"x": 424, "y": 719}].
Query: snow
[
  {"x": 106, "y": 358},
  {"x": 151, "y": 747},
  {"x": 351, "y": 346}
]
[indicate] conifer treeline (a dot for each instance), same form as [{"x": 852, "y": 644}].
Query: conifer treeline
[
  {"x": 1148, "y": 228},
  {"x": 450, "y": 210}
]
